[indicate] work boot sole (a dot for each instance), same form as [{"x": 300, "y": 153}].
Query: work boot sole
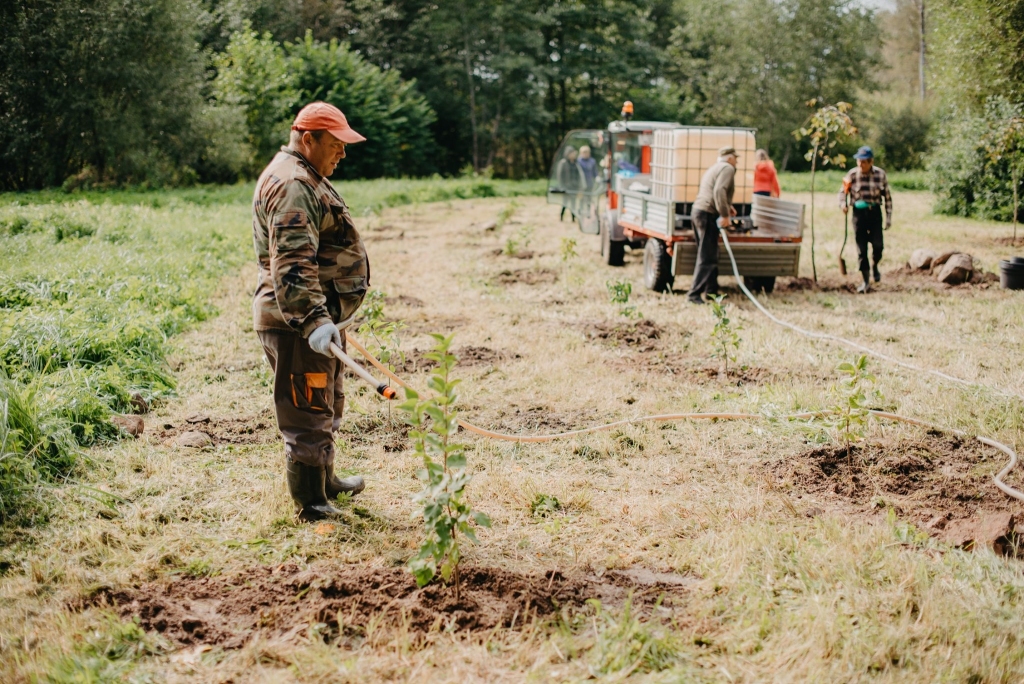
[{"x": 315, "y": 513}]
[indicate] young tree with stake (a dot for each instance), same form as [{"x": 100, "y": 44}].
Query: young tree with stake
[{"x": 826, "y": 128}]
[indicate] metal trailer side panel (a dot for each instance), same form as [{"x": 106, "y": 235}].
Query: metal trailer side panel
[{"x": 752, "y": 259}]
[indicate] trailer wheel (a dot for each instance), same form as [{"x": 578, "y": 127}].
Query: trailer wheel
[
  {"x": 757, "y": 284},
  {"x": 658, "y": 274},
  {"x": 612, "y": 251}
]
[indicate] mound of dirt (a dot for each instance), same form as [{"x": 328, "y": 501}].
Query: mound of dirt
[
  {"x": 930, "y": 482},
  {"x": 468, "y": 356},
  {"x": 742, "y": 375},
  {"x": 643, "y": 335},
  {"x": 277, "y": 601},
  {"x": 541, "y": 419},
  {"x": 406, "y": 300},
  {"x": 525, "y": 254},
  {"x": 902, "y": 279},
  {"x": 258, "y": 429},
  {"x": 526, "y": 276}
]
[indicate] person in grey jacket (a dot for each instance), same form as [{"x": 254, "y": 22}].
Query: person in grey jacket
[{"x": 712, "y": 210}]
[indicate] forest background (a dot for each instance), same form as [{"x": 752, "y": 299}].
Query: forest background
[{"x": 158, "y": 93}]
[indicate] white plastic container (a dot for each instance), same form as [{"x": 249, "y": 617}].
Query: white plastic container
[{"x": 680, "y": 156}]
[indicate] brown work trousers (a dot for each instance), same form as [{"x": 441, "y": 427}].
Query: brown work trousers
[{"x": 308, "y": 396}]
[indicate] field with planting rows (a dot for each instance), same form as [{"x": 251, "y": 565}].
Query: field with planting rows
[{"x": 836, "y": 546}]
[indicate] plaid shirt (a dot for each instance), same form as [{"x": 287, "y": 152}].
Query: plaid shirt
[{"x": 872, "y": 187}]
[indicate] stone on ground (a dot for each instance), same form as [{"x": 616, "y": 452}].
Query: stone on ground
[
  {"x": 921, "y": 259},
  {"x": 193, "y": 439},
  {"x": 133, "y": 425},
  {"x": 990, "y": 531},
  {"x": 942, "y": 258},
  {"x": 956, "y": 270}
]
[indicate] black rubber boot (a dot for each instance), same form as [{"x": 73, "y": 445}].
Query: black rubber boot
[
  {"x": 334, "y": 486},
  {"x": 306, "y": 485},
  {"x": 878, "y": 275}
]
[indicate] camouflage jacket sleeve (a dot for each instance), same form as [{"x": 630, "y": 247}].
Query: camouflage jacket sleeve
[{"x": 294, "y": 222}]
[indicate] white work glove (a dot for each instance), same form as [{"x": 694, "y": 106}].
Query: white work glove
[
  {"x": 320, "y": 339},
  {"x": 723, "y": 222}
]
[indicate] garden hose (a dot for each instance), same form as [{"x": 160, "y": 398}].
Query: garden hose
[
  {"x": 469, "y": 427},
  {"x": 674, "y": 417}
]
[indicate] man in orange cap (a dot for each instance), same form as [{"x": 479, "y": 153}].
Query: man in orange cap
[{"x": 313, "y": 274}]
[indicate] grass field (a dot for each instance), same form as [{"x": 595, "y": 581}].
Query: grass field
[{"x": 776, "y": 556}]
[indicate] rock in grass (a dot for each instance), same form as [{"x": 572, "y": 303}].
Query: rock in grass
[
  {"x": 193, "y": 439},
  {"x": 198, "y": 418},
  {"x": 921, "y": 259},
  {"x": 941, "y": 259},
  {"x": 956, "y": 270},
  {"x": 139, "y": 403},
  {"x": 988, "y": 531},
  {"x": 133, "y": 425}
]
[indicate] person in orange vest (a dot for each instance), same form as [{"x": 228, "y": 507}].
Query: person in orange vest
[
  {"x": 867, "y": 187},
  {"x": 766, "y": 180}
]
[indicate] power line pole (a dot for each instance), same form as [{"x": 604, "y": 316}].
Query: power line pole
[{"x": 920, "y": 63}]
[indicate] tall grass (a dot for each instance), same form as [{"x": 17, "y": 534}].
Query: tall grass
[{"x": 89, "y": 295}]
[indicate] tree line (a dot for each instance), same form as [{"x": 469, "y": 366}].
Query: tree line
[{"x": 165, "y": 92}]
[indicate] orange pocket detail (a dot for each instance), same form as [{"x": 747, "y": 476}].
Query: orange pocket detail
[
  {"x": 309, "y": 391},
  {"x": 317, "y": 380}
]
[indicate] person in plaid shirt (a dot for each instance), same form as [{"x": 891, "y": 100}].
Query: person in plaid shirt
[{"x": 867, "y": 188}]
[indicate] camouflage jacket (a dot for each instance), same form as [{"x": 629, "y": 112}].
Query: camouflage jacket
[{"x": 313, "y": 266}]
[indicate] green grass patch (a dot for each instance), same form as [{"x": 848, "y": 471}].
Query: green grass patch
[
  {"x": 832, "y": 179},
  {"x": 363, "y": 196}
]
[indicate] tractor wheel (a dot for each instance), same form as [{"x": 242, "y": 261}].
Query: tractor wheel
[
  {"x": 758, "y": 284},
  {"x": 612, "y": 251},
  {"x": 658, "y": 274}
]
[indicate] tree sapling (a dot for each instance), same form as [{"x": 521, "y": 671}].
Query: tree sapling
[
  {"x": 826, "y": 127},
  {"x": 446, "y": 515},
  {"x": 724, "y": 336},
  {"x": 619, "y": 292},
  {"x": 848, "y": 417}
]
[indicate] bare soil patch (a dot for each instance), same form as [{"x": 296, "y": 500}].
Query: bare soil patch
[
  {"x": 525, "y": 254},
  {"x": 1009, "y": 241},
  {"x": 278, "y": 601},
  {"x": 930, "y": 482},
  {"x": 902, "y": 279},
  {"x": 469, "y": 356},
  {"x": 643, "y": 335},
  {"x": 406, "y": 300},
  {"x": 435, "y": 324},
  {"x": 526, "y": 276},
  {"x": 541, "y": 419},
  {"x": 742, "y": 375},
  {"x": 258, "y": 429}
]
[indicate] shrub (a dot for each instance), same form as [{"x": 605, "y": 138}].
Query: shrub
[
  {"x": 902, "y": 137},
  {"x": 966, "y": 180}
]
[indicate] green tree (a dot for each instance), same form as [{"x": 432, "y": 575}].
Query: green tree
[
  {"x": 110, "y": 88},
  {"x": 390, "y": 112},
  {"x": 255, "y": 75},
  {"x": 977, "y": 51},
  {"x": 755, "y": 62}
]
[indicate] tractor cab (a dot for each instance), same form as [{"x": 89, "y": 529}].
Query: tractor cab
[{"x": 592, "y": 164}]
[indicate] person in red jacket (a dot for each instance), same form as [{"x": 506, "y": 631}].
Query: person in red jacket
[{"x": 766, "y": 181}]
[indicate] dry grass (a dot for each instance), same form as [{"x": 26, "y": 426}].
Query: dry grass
[{"x": 779, "y": 596}]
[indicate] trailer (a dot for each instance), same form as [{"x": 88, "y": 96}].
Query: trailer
[{"x": 634, "y": 185}]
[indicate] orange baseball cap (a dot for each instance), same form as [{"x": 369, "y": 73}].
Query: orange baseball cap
[{"x": 320, "y": 116}]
